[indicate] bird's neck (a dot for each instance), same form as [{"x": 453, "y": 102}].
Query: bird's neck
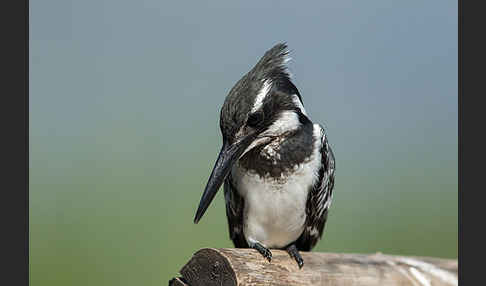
[{"x": 281, "y": 154}]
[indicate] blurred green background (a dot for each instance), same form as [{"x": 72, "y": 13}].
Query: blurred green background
[{"x": 124, "y": 110}]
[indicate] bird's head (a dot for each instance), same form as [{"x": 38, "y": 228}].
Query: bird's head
[{"x": 262, "y": 105}]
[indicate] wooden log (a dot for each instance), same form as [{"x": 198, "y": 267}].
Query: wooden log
[{"x": 232, "y": 266}]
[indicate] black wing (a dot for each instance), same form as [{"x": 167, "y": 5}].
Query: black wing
[
  {"x": 234, "y": 212},
  {"x": 319, "y": 200}
]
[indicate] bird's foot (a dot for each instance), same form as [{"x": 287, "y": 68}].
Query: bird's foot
[
  {"x": 294, "y": 253},
  {"x": 263, "y": 250}
]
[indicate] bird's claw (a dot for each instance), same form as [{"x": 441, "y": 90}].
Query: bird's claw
[
  {"x": 263, "y": 251},
  {"x": 267, "y": 254},
  {"x": 294, "y": 253}
]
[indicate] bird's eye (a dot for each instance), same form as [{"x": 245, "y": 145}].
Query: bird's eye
[{"x": 254, "y": 119}]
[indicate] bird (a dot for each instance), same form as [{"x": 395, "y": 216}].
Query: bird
[{"x": 276, "y": 166}]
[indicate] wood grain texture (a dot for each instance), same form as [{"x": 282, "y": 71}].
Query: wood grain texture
[{"x": 238, "y": 266}]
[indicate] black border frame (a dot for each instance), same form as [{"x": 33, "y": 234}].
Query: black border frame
[
  {"x": 471, "y": 62},
  {"x": 14, "y": 116}
]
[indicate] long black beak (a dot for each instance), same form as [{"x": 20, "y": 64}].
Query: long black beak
[{"x": 228, "y": 155}]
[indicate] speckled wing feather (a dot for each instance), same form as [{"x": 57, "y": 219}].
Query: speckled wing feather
[
  {"x": 234, "y": 213},
  {"x": 319, "y": 199}
]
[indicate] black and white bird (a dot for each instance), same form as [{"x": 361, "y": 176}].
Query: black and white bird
[{"x": 276, "y": 165}]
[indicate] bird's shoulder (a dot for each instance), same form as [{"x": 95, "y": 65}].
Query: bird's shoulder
[{"x": 320, "y": 194}]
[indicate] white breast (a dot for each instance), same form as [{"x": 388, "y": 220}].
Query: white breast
[{"x": 275, "y": 208}]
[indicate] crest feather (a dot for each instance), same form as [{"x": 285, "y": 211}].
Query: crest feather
[{"x": 273, "y": 64}]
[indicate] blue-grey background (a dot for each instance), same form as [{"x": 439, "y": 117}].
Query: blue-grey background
[{"x": 124, "y": 110}]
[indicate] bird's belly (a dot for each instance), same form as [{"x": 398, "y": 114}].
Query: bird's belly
[{"x": 275, "y": 209}]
